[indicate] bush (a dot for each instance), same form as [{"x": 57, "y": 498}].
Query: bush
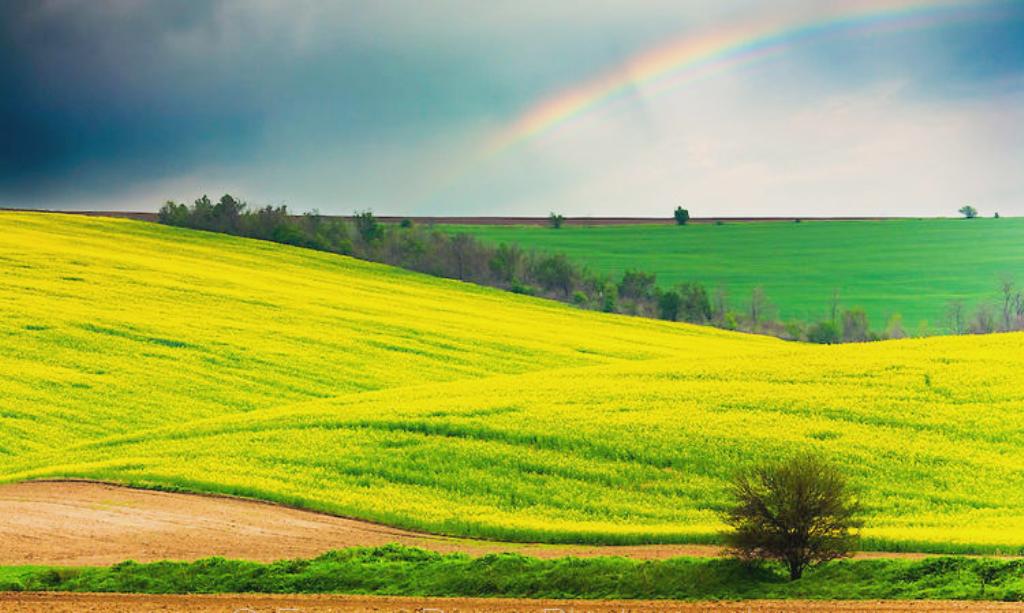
[
  {"x": 556, "y": 273},
  {"x": 800, "y": 512},
  {"x": 637, "y": 285},
  {"x": 729, "y": 322},
  {"x": 682, "y": 216},
  {"x": 555, "y": 220},
  {"x": 610, "y": 298},
  {"x": 824, "y": 332},
  {"x": 669, "y": 305},
  {"x": 694, "y": 305}
]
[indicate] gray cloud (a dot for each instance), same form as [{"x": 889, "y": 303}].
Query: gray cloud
[{"x": 386, "y": 104}]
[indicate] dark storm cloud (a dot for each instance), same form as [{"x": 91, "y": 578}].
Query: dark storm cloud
[
  {"x": 326, "y": 103},
  {"x": 92, "y": 89},
  {"x": 103, "y": 92}
]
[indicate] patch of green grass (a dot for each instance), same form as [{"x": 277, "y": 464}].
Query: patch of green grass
[
  {"x": 910, "y": 267},
  {"x": 14, "y": 578},
  {"x": 404, "y": 571}
]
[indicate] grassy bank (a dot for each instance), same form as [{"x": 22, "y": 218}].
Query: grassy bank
[{"x": 395, "y": 570}]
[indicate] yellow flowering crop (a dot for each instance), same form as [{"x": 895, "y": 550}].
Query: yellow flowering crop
[{"x": 163, "y": 357}]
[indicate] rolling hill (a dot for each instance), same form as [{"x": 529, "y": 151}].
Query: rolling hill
[
  {"x": 162, "y": 357},
  {"x": 910, "y": 267}
]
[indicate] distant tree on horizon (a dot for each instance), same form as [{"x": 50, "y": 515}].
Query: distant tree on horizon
[
  {"x": 682, "y": 216},
  {"x": 968, "y": 211},
  {"x": 555, "y": 220}
]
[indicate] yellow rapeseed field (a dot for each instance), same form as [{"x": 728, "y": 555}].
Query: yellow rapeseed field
[{"x": 168, "y": 358}]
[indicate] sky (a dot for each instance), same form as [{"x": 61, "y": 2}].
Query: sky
[{"x": 516, "y": 107}]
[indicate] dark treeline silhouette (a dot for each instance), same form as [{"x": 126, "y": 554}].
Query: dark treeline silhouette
[{"x": 550, "y": 275}]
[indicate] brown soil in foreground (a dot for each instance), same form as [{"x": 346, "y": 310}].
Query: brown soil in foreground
[
  {"x": 232, "y": 603},
  {"x": 80, "y": 523}
]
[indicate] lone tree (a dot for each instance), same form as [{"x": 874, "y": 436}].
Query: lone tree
[
  {"x": 555, "y": 220},
  {"x": 800, "y": 512},
  {"x": 968, "y": 211},
  {"x": 682, "y": 216}
]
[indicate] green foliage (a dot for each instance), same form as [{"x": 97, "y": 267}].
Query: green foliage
[
  {"x": 694, "y": 305},
  {"x": 610, "y": 298},
  {"x": 367, "y": 226},
  {"x": 556, "y": 273},
  {"x": 968, "y": 211},
  {"x": 824, "y": 333},
  {"x": 729, "y": 321},
  {"x": 508, "y": 263},
  {"x": 799, "y": 511},
  {"x": 404, "y": 571},
  {"x": 682, "y": 216},
  {"x": 555, "y": 220},
  {"x": 669, "y": 305},
  {"x": 637, "y": 285}
]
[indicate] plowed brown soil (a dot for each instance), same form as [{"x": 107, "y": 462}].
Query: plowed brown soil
[
  {"x": 230, "y": 603},
  {"x": 78, "y": 523}
]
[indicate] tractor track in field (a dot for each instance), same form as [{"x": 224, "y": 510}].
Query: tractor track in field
[
  {"x": 86, "y": 523},
  {"x": 254, "y": 603}
]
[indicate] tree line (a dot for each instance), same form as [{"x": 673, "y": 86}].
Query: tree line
[{"x": 553, "y": 275}]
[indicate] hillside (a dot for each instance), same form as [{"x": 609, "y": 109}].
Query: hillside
[
  {"x": 155, "y": 356},
  {"x": 910, "y": 267},
  {"x": 105, "y": 319}
]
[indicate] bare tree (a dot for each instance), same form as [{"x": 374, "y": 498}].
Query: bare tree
[
  {"x": 984, "y": 320},
  {"x": 719, "y": 304},
  {"x": 955, "y": 316},
  {"x": 856, "y": 328},
  {"x": 758, "y": 305},
  {"x": 894, "y": 329},
  {"x": 1018, "y": 309},
  {"x": 1008, "y": 298}
]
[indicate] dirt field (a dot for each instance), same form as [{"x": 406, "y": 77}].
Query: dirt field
[
  {"x": 78, "y": 523},
  {"x": 117, "y": 603}
]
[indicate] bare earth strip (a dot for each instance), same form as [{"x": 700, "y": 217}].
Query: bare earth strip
[
  {"x": 80, "y": 523},
  {"x": 232, "y": 603}
]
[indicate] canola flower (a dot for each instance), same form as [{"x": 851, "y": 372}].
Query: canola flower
[{"x": 168, "y": 358}]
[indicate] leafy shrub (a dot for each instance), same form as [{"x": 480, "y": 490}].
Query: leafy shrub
[
  {"x": 824, "y": 333},
  {"x": 800, "y": 512}
]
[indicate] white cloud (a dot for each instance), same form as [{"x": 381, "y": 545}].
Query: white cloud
[{"x": 730, "y": 148}]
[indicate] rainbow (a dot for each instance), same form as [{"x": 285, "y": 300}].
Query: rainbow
[{"x": 693, "y": 56}]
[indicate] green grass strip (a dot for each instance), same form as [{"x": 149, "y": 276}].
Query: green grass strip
[{"x": 404, "y": 571}]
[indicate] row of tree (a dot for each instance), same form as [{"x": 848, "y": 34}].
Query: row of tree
[{"x": 552, "y": 275}]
